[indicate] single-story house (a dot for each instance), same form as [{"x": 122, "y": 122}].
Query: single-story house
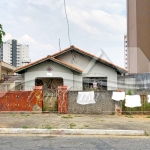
[
  {"x": 9, "y": 81},
  {"x": 71, "y": 67}
]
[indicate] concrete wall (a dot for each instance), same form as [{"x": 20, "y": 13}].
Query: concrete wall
[
  {"x": 104, "y": 104},
  {"x": 21, "y": 101},
  {"x": 90, "y": 68}
]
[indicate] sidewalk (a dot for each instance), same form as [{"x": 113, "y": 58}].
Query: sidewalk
[{"x": 75, "y": 121}]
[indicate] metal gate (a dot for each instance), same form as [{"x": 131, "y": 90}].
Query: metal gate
[{"x": 50, "y": 102}]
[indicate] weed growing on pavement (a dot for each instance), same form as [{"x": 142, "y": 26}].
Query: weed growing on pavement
[
  {"x": 77, "y": 116},
  {"x": 86, "y": 126},
  {"x": 25, "y": 127},
  {"x": 146, "y": 133},
  {"x": 67, "y": 117},
  {"x": 113, "y": 113},
  {"x": 129, "y": 116},
  {"x": 48, "y": 127},
  {"x": 25, "y": 115},
  {"x": 72, "y": 125},
  {"x": 12, "y": 114}
]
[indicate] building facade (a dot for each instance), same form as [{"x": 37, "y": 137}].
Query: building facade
[
  {"x": 74, "y": 68},
  {"x": 138, "y": 36},
  {"x": 14, "y": 53},
  {"x": 125, "y": 52}
]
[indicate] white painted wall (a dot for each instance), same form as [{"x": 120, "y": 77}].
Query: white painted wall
[
  {"x": 40, "y": 71},
  {"x": 90, "y": 68},
  {"x": 71, "y": 78}
]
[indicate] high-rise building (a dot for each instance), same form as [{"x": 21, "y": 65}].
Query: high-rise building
[
  {"x": 125, "y": 52},
  {"x": 138, "y": 36},
  {"x": 14, "y": 53}
]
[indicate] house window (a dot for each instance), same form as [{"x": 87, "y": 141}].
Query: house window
[{"x": 98, "y": 83}]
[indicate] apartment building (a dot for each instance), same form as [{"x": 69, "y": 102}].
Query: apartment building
[
  {"x": 14, "y": 53},
  {"x": 138, "y": 36},
  {"x": 125, "y": 52}
]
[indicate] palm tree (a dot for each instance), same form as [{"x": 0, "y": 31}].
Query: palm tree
[{"x": 2, "y": 33}]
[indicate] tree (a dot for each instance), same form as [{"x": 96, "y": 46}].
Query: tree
[{"x": 2, "y": 33}]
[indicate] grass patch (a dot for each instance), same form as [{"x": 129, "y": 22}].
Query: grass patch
[
  {"x": 67, "y": 117},
  {"x": 86, "y": 126},
  {"x": 72, "y": 125},
  {"x": 12, "y": 114},
  {"x": 113, "y": 113},
  {"x": 25, "y": 127},
  {"x": 25, "y": 115},
  {"x": 148, "y": 117},
  {"x": 129, "y": 116},
  {"x": 146, "y": 134},
  {"x": 77, "y": 116},
  {"x": 48, "y": 127}
]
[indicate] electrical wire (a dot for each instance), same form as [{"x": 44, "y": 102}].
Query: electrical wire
[
  {"x": 72, "y": 52},
  {"x": 67, "y": 22},
  {"x": 59, "y": 45}
]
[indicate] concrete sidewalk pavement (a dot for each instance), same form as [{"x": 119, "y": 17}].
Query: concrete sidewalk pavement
[{"x": 76, "y": 124}]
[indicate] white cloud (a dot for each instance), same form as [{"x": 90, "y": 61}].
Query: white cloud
[
  {"x": 37, "y": 50},
  {"x": 40, "y": 24},
  {"x": 97, "y": 22},
  {"x": 7, "y": 37},
  {"x": 26, "y": 19}
]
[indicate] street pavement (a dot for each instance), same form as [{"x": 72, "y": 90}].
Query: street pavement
[
  {"x": 75, "y": 121},
  {"x": 11, "y": 142}
]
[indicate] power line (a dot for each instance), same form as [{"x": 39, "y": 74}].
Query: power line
[
  {"x": 67, "y": 22},
  {"x": 59, "y": 45}
]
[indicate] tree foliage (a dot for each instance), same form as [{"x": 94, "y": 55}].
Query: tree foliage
[{"x": 2, "y": 33}]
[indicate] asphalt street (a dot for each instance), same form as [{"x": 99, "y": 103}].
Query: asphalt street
[{"x": 16, "y": 142}]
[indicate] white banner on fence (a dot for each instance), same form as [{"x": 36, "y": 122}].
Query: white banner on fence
[{"x": 85, "y": 98}]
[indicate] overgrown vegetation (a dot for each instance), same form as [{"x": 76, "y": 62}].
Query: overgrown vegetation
[
  {"x": 25, "y": 127},
  {"x": 72, "y": 125},
  {"x": 67, "y": 117},
  {"x": 129, "y": 92},
  {"x": 48, "y": 127},
  {"x": 2, "y": 33}
]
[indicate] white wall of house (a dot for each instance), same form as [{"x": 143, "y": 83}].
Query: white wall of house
[
  {"x": 40, "y": 71},
  {"x": 90, "y": 68},
  {"x": 71, "y": 78}
]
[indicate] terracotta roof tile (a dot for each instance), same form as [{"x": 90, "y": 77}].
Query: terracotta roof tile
[
  {"x": 52, "y": 57},
  {"x": 91, "y": 55},
  {"x": 65, "y": 64},
  {"x": 46, "y": 58}
]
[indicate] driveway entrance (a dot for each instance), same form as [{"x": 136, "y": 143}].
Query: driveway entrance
[{"x": 50, "y": 103}]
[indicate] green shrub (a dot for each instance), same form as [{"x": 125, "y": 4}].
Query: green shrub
[{"x": 129, "y": 92}]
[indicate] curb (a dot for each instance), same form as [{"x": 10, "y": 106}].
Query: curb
[{"x": 72, "y": 131}]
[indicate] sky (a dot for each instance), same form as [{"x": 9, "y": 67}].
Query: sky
[{"x": 93, "y": 25}]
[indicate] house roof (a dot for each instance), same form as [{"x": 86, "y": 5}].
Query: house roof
[
  {"x": 119, "y": 69},
  {"x": 53, "y": 58},
  {"x": 20, "y": 69},
  {"x": 7, "y": 66}
]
